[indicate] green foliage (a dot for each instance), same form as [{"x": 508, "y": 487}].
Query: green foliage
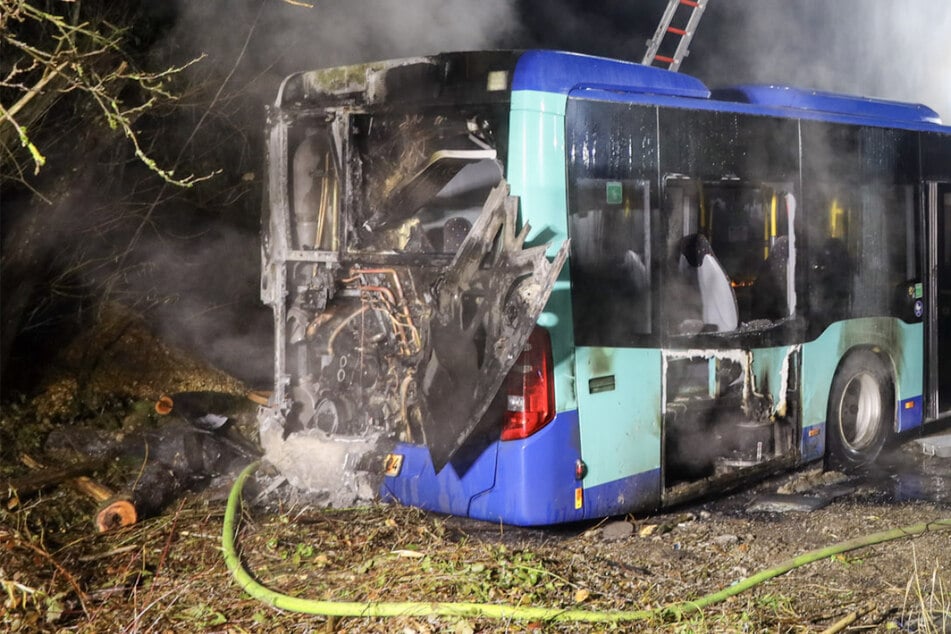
[{"x": 201, "y": 616}]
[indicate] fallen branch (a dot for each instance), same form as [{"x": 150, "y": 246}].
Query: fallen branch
[
  {"x": 43, "y": 478},
  {"x": 842, "y": 623}
]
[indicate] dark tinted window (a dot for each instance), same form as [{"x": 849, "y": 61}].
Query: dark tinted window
[
  {"x": 611, "y": 164},
  {"x": 861, "y": 189},
  {"x": 610, "y": 255}
]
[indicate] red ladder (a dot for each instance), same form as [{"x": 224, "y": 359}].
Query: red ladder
[{"x": 685, "y": 33}]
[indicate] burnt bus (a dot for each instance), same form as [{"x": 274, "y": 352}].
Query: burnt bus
[{"x": 538, "y": 287}]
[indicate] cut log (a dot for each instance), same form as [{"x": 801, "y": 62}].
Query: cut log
[
  {"x": 114, "y": 511},
  {"x": 259, "y": 397},
  {"x": 98, "y": 492}
]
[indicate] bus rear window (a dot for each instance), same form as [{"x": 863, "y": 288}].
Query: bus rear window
[{"x": 421, "y": 180}]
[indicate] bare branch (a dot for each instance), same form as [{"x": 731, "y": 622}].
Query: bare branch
[{"x": 75, "y": 53}]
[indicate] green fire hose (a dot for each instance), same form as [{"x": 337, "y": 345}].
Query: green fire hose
[{"x": 671, "y": 611}]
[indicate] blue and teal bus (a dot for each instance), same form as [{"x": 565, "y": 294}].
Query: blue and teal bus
[{"x": 540, "y": 287}]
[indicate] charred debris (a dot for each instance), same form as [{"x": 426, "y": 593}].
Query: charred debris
[
  {"x": 138, "y": 471},
  {"x": 400, "y": 281}
]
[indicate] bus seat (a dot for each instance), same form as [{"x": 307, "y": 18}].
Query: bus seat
[{"x": 717, "y": 298}]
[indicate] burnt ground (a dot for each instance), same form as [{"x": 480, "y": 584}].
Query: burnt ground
[{"x": 166, "y": 573}]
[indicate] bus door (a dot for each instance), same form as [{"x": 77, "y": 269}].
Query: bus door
[
  {"x": 938, "y": 201},
  {"x": 617, "y": 371},
  {"x": 730, "y": 365}
]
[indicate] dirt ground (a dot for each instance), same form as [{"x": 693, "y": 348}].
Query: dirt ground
[{"x": 167, "y": 574}]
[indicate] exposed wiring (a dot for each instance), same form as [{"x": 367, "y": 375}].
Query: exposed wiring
[{"x": 672, "y": 611}]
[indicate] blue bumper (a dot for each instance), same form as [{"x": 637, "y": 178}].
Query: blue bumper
[{"x": 528, "y": 482}]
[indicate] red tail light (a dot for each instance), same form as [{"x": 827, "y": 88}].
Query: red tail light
[{"x": 530, "y": 389}]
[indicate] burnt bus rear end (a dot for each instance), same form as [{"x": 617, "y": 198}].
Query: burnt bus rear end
[{"x": 396, "y": 269}]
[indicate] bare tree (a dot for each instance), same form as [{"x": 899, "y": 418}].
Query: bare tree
[{"x": 60, "y": 48}]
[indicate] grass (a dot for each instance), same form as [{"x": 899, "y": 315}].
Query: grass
[
  {"x": 166, "y": 574},
  {"x": 927, "y": 601}
]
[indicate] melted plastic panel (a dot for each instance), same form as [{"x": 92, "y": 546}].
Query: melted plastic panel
[{"x": 486, "y": 305}]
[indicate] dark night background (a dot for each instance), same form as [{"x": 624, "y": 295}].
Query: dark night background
[{"x": 97, "y": 224}]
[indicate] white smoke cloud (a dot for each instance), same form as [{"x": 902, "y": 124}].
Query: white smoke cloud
[
  {"x": 288, "y": 38},
  {"x": 879, "y": 48},
  {"x": 876, "y": 48}
]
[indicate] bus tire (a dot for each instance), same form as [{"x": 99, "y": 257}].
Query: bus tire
[{"x": 861, "y": 411}]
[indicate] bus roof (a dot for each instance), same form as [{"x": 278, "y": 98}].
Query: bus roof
[
  {"x": 466, "y": 76},
  {"x": 563, "y": 73},
  {"x": 817, "y": 101},
  {"x": 560, "y": 72}
]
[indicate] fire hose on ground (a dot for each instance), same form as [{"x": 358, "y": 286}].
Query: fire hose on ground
[{"x": 673, "y": 611}]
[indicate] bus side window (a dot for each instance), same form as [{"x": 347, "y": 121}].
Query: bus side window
[
  {"x": 746, "y": 231},
  {"x": 863, "y": 250},
  {"x": 609, "y": 226},
  {"x": 773, "y": 290}
]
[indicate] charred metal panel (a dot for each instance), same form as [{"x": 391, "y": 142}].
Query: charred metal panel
[
  {"x": 444, "y": 78},
  {"x": 485, "y": 306},
  {"x": 728, "y": 411},
  {"x": 414, "y": 352}
]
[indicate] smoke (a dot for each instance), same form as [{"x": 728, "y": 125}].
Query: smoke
[
  {"x": 288, "y": 37},
  {"x": 198, "y": 260},
  {"x": 866, "y": 47},
  {"x": 610, "y": 28},
  {"x": 874, "y": 48}
]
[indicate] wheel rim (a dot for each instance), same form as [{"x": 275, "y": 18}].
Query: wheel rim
[{"x": 860, "y": 413}]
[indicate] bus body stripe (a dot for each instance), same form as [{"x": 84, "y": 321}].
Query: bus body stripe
[{"x": 910, "y": 413}]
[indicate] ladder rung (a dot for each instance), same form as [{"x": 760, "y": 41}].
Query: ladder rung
[{"x": 685, "y": 33}]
